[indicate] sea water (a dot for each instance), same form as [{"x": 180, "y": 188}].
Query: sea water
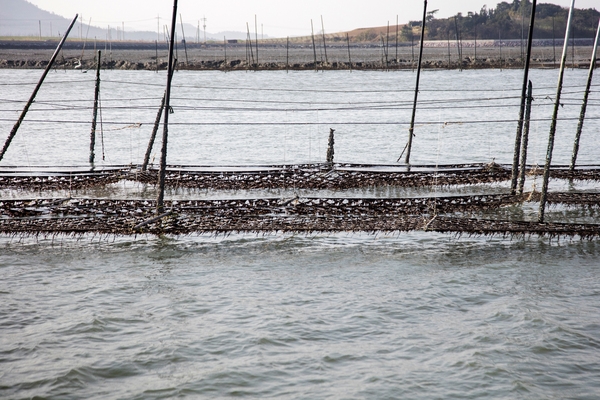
[{"x": 410, "y": 315}]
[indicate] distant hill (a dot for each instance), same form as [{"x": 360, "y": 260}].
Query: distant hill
[
  {"x": 508, "y": 21},
  {"x": 21, "y": 18}
]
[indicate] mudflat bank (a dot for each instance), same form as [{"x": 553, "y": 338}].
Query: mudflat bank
[{"x": 238, "y": 56}]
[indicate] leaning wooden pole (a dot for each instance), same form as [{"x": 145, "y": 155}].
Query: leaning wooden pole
[
  {"x": 15, "y": 128},
  {"x": 414, "y": 112},
  {"x": 163, "y": 152},
  {"x": 525, "y": 141},
  {"x": 184, "y": 41},
  {"x": 95, "y": 113},
  {"x": 324, "y": 43},
  {"x": 155, "y": 129},
  {"x": 518, "y": 137},
  {"x": 585, "y": 102},
  {"x": 153, "y": 136},
  {"x": 552, "y": 133}
]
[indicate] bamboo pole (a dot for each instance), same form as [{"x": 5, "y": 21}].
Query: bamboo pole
[
  {"x": 312, "y": 29},
  {"x": 256, "y": 36},
  {"x": 552, "y": 133},
  {"x": 184, "y": 41},
  {"x": 414, "y": 112},
  {"x": 396, "y": 39},
  {"x": 585, "y": 101},
  {"x": 250, "y": 43},
  {"x": 387, "y": 47},
  {"x": 518, "y": 136},
  {"x": 95, "y": 113},
  {"x": 449, "y": 55},
  {"x": 287, "y": 55},
  {"x": 163, "y": 153},
  {"x": 154, "y": 131},
  {"x": 500, "y": 40},
  {"x": 15, "y": 128},
  {"x": 225, "y": 50},
  {"x": 525, "y": 141},
  {"x": 324, "y": 43},
  {"x": 458, "y": 48},
  {"x": 153, "y": 135},
  {"x": 349, "y": 56}
]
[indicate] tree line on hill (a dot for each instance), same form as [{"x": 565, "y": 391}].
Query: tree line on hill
[{"x": 507, "y": 21}]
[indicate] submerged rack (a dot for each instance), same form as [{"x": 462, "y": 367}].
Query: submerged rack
[
  {"x": 294, "y": 215},
  {"x": 301, "y": 176}
]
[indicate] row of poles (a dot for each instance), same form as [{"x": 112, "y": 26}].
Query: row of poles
[
  {"x": 521, "y": 137},
  {"x": 519, "y": 164}
]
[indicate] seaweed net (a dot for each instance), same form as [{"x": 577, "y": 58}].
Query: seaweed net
[{"x": 103, "y": 216}]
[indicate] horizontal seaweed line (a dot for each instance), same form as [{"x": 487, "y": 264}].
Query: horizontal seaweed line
[
  {"x": 375, "y": 108},
  {"x": 280, "y": 101},
  {"x": 238, "y": 88},
  {"x": 333, "y": 123}
]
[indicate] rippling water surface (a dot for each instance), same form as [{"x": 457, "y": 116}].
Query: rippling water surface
[
  {"x": 467, "y": 116},
  {"x": 418, "y": 315},
  {"x": 347, "y": 316}
]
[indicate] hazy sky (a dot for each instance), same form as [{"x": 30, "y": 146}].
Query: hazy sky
[{"x": 277, "y": 17}]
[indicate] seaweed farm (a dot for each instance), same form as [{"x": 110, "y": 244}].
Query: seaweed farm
[
  {"x": 298, "y": 152},
  {"x": 299, "y": 234}
]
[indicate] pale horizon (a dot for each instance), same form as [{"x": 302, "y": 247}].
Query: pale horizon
[{"x": 274, "y": 18}]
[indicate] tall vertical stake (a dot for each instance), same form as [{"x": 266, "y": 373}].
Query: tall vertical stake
[
  {"x": 95, "y": 113},
  {"x": 396, "y": 39},
  {"x": 458, "y": 43},
  {"x": 553, "y": 45},
  {"x": 412, "y": 48},
  {"x": 324, "y": 43},
  {"x": 15, "y": 128},
  {"x": 414, "y": 112},
  {"x": 387, "y": 46},
  {"x": 287, "y": 55},
  {"x": 525, "y": 141},
  {"x": 573, "y": 48},
  {"x": 250, "y": 43},
  {"x": 500, "y": 41},
  {"x": 349, "y": 56},
  {"x": 552, "y": 133},
  {"x": 515, "y": 165},
  {"x": 163, "y": 152},
  {"x": 585, "y": 101},
  {"x": 184, "y": 41},
  {"x": 256, "y": 37},
  {"x": 449, "y": 56},
  {"x": 475, "y": 44},
  {"x": 312, "y": 29}
]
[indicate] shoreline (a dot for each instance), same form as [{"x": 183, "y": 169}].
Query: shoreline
[{"x": 238, "y": 57}]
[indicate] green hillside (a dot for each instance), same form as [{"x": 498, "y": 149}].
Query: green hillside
[{"x": 508, "y": 21}]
